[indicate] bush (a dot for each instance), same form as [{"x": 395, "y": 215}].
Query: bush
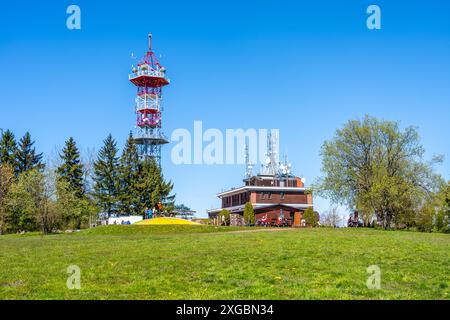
[
  {"x": 249, "y": 214},
  {"x": 310, "y": 217}
]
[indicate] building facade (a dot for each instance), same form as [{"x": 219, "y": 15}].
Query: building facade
[
  {"x": 274, "y": 202},
  {"x": 278, "y": 197}
]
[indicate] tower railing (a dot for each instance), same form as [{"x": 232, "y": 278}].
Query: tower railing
[{"x": 150, "y": 73}]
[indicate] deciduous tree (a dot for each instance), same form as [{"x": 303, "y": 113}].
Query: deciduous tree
[
  {"x": 377, "y": 168},
  {"x": 6, "y": 181}
]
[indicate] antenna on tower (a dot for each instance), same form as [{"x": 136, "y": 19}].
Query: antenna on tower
[
  {"x": 285, "y": 169},
  {"x": 149, "y": 41},
  {"x": 248, "y": 164},
  {"x": 270, "y": 167}
]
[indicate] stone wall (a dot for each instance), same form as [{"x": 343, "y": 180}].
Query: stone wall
[{"x": 236, "y": 219}]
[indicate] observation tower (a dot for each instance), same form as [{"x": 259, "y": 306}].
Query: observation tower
[{"x": 149, "y": 77}]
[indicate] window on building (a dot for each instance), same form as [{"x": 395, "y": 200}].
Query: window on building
[
  {"x": 269, "y": 195},
  {"x": 262, "y": 195},
  {"x": 282, "y": 195}
]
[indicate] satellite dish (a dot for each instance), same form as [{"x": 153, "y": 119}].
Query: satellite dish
[{"x": 303, "y": 180}]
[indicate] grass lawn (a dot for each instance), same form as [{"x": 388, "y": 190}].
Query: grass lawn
[
  {"x": 204, "y": 262},
  {"x": 165, "y": 220}
]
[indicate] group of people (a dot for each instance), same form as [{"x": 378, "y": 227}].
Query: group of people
[{"x": 123, "y": 222}]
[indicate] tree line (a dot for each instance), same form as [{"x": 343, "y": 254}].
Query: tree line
[
  {"x": 379, "y": 170},
  {"x": 35, "y": 196}
]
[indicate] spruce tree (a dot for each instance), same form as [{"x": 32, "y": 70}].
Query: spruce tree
[
  {"x": 153, "y": 189},
  {"x": 8, "y": 150},
  {"x": 147, "y": 185},
  {"x": 167, "y": 198},
  {"x": 129, "y": 201},
  {"x": 27, "y": 158},
  {"x": 106, "y": 176},
  {"x": 71, "y": 169}
]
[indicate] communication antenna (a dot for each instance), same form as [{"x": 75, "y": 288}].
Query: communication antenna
[
  {"x": 271, "y": 163},
  {"x": 248, "y": 164}
]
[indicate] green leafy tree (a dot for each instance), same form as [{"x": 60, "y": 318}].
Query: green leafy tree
[
  {"x": 129, "y": 199},
  {"x": 48, "y": 217},
  {"x": 6, "y": 181},
  {"x": 24, "y": 201},
  {"x": 310, "y": 217},
  {"x": 28, "y": 204},
  {"x": 75, "y": 212},
  {"x": 224, "y": 217},
  {"x": 106, "y": 177},
  {"x": 27, "y": 158},
  {"x": 441, "y": 206},
  {"x": 8, "y": 150},
  {"x": 378, "y": 169},
  {"x": 249, "y": 214},
  {"x": 71, "y": 169}
]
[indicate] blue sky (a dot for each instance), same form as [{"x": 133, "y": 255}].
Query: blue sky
[{"x": 305, "y": 67}]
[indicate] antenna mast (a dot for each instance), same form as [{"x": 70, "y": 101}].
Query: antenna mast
[
  {"x": 248, "y": 164},
  {"x": 149, "y": 42}
]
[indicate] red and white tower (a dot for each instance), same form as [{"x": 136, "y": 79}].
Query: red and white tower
[{"x": 149, "y": 77}]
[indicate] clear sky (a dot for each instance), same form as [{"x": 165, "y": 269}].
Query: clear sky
[{"x": 305, "y": 67}]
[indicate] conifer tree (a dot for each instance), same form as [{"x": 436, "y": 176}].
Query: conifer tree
[
  {"x": 167, "y": 198},
  {"x": 249, "y": 214},
  {"x": 152, "y": 188},
  {"x": 129, "y": 201},
  {"x": 147, "y": 185},
  {"x": 8, "y": 150},
  {"x": 71, "y": 169},
  {"x": 27, "y": 158},
  {"x": 106, "y": 176}
]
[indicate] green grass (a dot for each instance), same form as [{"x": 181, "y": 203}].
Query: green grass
[{"x": 203, "y": 262}]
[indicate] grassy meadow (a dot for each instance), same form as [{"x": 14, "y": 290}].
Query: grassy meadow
[{"x": 206, "y": 262}]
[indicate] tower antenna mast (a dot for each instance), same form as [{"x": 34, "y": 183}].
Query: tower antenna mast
[{"x": 149, "y": 42}]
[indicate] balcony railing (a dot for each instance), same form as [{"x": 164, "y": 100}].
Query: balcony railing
[{"x": 150, "y": 73}]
